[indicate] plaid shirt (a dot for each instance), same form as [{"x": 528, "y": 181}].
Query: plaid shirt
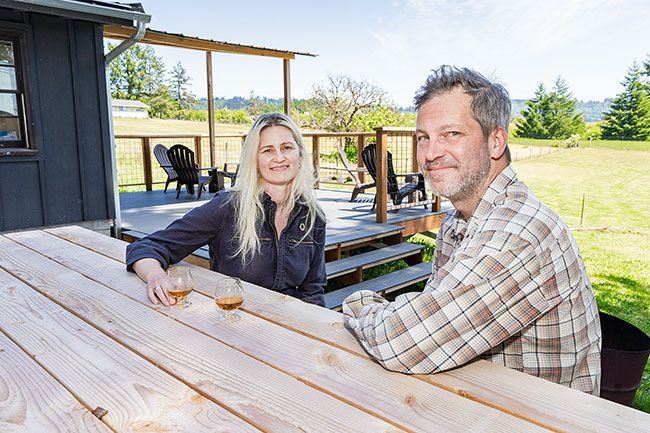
[{"x": 508, "y": 286}]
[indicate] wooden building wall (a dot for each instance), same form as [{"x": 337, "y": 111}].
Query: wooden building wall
[{"x": 68, "y": 178}]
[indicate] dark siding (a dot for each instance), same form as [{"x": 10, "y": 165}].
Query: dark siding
[
  {"x": 18, "y": 181},
  {"x": 73, "y": 181}
]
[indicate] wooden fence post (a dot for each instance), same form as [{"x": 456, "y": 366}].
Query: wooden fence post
[
  {"x": 415, "y": 167},
  {"x": 197, "y": 147},
  {"x": 382, "y": 172},
  {"x": 361, "y": 143},
  {"x": 315, "y": 157},
  {"x": 146, "y": 162}
]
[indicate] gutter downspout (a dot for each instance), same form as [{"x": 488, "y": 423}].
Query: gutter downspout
[{"x": 110, "y": 56}]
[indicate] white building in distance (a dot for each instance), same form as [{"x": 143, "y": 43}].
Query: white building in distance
[{"x": 129, "y": 108}]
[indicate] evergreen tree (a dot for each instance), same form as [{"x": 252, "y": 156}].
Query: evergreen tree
[
  {"x": 178, "y": 85},
  {"x": 531, "y": 124},
  {"x": 550, "y": 114},
  {"x": 629, "y": 114},
  {"x": 562, "y": 120}
]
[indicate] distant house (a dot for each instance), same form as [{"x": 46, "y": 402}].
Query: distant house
[
  {"x": 55, "y": 139},
  {"x": 128, "y": 108}
]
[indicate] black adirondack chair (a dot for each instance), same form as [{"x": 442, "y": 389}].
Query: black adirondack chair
[
  {"x": 182, "y": 160},
  {"x": 396, "y": 192},
  {"x": 160, "y": 152}
]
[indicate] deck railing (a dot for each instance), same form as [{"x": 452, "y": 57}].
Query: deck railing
[{"x": 137, "y": 166}]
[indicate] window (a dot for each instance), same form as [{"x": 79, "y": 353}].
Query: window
[{"x": 13, "y": 131}]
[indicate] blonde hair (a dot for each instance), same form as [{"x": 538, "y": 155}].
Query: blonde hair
[{"x": 250, "y": 186}]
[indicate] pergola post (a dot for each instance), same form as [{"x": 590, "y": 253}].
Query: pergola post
[
  {"x": 208, "y": 65},
  {"x": 381, "y": 160},
  {"x": 287, "y": 86}
]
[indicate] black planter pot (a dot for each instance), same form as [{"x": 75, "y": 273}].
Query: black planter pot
[{"x": 623, "y": 358}]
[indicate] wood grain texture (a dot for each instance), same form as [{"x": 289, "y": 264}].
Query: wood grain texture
[
  {"x": 406, "y": 402},
  {"x": 33, "y": 401},
  {"x": 254, "y": 390},
  {"x": 102, "y": 373},
  {"x": 526, "y": 396}
]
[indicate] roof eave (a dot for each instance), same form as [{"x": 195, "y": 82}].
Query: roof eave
[{"x": 120, "y": 14}]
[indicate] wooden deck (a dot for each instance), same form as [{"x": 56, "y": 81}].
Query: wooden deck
[{"x": 149, "y": 211}]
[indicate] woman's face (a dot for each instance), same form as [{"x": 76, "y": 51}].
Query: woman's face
[{"x": 278, "y": 156}]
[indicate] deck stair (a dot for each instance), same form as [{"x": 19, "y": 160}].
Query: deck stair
[{"x": 382, "y": 285}]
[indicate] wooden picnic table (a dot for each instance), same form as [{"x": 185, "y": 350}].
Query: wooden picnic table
[{"x": 82, "y": 349}]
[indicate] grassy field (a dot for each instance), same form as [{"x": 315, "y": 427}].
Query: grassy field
[
  {"x": 171, "y": 126},
  {"x": 643, "y": 146}
]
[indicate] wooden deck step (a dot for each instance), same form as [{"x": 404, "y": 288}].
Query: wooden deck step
[
  {"x": 371, "y": 258},
  {"x": 360, "y": 234},
  {"x": 384, "y": 284}
]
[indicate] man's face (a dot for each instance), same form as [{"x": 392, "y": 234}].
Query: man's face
[{"x": 452, "y": 152}]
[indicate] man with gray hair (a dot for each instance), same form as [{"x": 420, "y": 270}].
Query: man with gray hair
[{"x": 508, "y": 283}]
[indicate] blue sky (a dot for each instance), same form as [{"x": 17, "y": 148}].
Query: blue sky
[{"x": 394, "y": 43}]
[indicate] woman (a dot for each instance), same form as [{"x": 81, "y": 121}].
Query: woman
[{"x": 268, "y": 229}]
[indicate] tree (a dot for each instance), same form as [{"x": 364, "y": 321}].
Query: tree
[
  {"x": 253, "y": 105},
  {"x": 550, "y": 114},
  {"x": 137, "y": 73},
  {"x": 563, "y": 120},
  {"x": 337, "y": 102},
  {"x": 531, "y": 122},
  {"x": 178, "y": 84},
  {"x": 629, "y": 114}
]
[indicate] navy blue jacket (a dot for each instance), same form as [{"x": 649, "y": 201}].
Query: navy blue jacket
[{"x": 290, "y": 265}]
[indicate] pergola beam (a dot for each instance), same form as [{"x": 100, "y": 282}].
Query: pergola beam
[{"x": 155, "y": 37}]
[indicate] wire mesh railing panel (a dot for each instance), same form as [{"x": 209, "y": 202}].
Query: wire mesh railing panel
[
  {"x": 401, "y": 145},
  {"x": 130, "y": 165},
  {"x": 228, "y": 151}
]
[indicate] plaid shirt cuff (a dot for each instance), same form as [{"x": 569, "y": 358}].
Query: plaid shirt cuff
[{"x": 354, "y": 303}]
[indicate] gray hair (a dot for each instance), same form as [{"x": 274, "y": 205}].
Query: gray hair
[{"x": 490, "y": 100}]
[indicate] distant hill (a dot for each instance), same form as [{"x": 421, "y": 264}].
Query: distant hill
[{"x": 592, "y": 110}]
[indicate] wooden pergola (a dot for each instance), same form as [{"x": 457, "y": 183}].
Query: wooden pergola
[{"x": 156, "y": 37}]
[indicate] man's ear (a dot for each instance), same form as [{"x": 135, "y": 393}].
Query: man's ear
[{"x": 498, "y": 142}]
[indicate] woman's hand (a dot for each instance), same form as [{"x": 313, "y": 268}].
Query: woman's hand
[{"x": 158, "y": 284}]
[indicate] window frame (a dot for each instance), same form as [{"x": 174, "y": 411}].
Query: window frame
[{"x": 17, "y": 34}]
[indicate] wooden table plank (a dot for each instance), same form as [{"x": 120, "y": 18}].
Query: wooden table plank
[
  {"x": 254, "y": 390},
  {"x": 482, "y": 381},
  {"x": 408, "y": 401},
  {"x": 33, "y": 401},
  {"x": 88, "y": 362}
]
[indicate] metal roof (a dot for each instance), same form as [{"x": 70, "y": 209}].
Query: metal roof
[
  {"x": 157, "y": 37},
  {"x": 90, "y": 10}
]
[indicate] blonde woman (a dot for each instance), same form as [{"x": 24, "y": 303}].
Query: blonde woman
[{"x": 268, "y": 230}]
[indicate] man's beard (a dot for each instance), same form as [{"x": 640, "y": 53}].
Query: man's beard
[{"x": 467, "y": 185}]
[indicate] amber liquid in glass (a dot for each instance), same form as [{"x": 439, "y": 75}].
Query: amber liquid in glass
[
  {"x": 179, "y": 295},
  {"x": 229, "y": 303}
]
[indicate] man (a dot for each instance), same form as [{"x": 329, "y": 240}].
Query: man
[{"x": 508, "y": 283}]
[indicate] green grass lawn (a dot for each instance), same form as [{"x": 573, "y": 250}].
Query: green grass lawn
[{"x": 643, "y": 146}]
